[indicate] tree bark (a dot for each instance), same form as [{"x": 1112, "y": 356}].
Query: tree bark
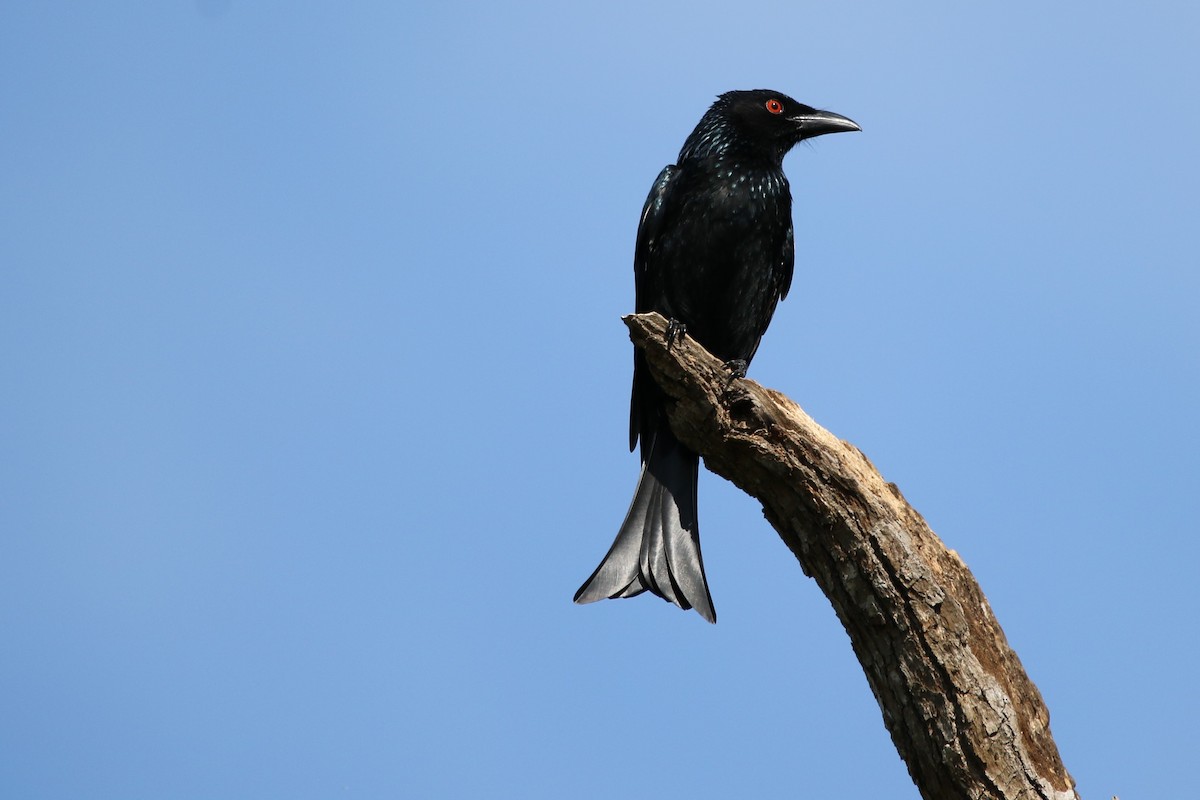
[{"x": 965, "y": 717}]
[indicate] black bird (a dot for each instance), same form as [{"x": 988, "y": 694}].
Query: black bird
[{"x": 714, "y": 255}]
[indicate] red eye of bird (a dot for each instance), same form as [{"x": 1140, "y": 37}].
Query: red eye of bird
[{"x": 774, "y": 106}]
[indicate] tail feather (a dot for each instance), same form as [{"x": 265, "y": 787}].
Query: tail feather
[
  {"x": 653, "y": 565},
  {"x": 658, "y": 546}
]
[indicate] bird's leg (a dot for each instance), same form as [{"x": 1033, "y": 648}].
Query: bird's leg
[
  {"x": 675, "y": 329},
  {"x": 737, "y": 369}
]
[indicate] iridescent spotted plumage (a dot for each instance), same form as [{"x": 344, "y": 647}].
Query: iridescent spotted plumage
[{"x": 714, "y": 254}]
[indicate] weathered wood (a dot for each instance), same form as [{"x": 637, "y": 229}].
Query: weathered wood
[{"x": 963, "y": 714}]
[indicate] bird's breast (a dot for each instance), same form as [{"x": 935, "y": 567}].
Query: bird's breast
[
  {"x": 720, "y": 260},
  {"x": 746, "y": 193}
]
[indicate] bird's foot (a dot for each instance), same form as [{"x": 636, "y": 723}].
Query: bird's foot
[
  {"x": 737, "y": 369},
  {"x": 675, "y": 329}
]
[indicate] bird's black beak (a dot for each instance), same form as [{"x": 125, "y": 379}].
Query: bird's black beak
[{"x": 816, "y": 123}]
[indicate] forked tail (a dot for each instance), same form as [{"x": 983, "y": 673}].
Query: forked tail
[{"x": 658, "y": 546}]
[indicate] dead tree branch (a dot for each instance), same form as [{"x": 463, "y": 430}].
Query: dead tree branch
[{"x": 963, "y": 714}]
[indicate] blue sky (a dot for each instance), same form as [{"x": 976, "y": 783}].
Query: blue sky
[{"x": 315, "y": 392}]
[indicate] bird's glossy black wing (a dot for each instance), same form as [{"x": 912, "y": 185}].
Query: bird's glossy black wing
[
  {"x": 788, "y": 262},
  {"x": 654, "y": 213},
  {"x": 781, "y": 282},
  {"x": 658, "y": 203}
]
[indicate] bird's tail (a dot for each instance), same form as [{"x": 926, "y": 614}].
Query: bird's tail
[{"x": 658, "y": 546}]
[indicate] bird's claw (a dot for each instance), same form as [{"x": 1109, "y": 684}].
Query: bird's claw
[
  {"x": 675, "y": 329},
  {"x": 737, "y": 369}
]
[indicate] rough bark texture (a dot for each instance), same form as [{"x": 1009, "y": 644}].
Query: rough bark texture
[{"x": 963, "y": 714}]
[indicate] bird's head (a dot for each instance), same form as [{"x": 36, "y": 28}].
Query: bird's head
[{"x": 762, "y": 119}]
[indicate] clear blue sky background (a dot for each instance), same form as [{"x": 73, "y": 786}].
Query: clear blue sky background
[{"x": 314, "y": 389}]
